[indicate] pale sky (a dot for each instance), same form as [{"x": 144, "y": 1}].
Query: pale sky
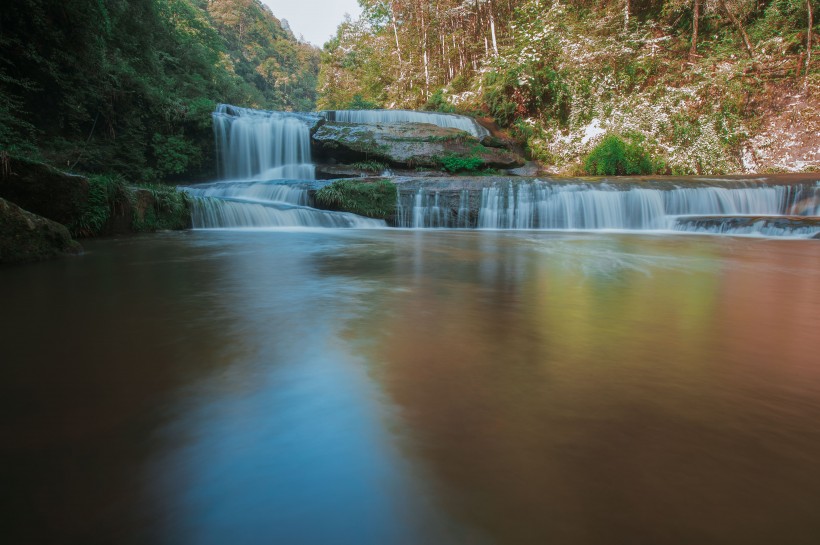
[{"x": 316, "y": 20}]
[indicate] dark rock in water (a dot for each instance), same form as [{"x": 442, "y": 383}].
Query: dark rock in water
[
  {"x": 764, "y": 225},
  {"x": 27, "y": 237},
  {"x": 44, "y": 191},
  {"x": 407, "y": 145}
]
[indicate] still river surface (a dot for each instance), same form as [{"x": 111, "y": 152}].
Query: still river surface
[{"x": 413, "y": 387}]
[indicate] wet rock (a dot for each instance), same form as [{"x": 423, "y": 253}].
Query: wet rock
[
  {"x": 530, "y": 169},
  {"x": 27, "y": 237}
]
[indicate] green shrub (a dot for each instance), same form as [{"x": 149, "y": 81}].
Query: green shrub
[
  {"x": 615, "y": 157},
  {"x": 438, "y": 103},
  {"x": 374, "y": 199},
  {"x": 103, "y": 192},
  {"x": 358, "y": 102},
  {"x": 458, "y": 163}
]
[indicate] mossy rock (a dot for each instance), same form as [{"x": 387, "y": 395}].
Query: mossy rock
[
  {"x": 43, "y": 190},
  {"x": 408, "y": 145},
  {"x": 27, "y": 237},
  {"x": 369, "y": 198}
]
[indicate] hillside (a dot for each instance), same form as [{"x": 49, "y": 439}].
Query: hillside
[
  {"x": 128, "y": 86},
  {"x": 692, "y": 86}
]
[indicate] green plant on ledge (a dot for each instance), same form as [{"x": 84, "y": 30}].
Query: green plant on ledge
[
  {"x": 374, "y": 199},
  {"x": 615, "y": 157},
  {"x": 373, "y": 166}
]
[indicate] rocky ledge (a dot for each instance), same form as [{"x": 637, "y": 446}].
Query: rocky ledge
[{"x": 410, "y": 145}]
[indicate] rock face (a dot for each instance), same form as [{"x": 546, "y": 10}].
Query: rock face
[
  {"x": 44, "y": 191},
  {"x": 408, "y": 145},
  {"x": 26, "y": 237}
]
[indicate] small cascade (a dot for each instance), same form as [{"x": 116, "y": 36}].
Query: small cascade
[
  {"x": 429, "y": 210},
  {"x": 371, "y": 117},
  {"x": 540, "y": 205},
  {"x": 257, "y": 144},
  {"x": 264, "y": 204}
]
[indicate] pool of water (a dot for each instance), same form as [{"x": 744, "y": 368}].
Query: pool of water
[{"x": 391, "y": 387}]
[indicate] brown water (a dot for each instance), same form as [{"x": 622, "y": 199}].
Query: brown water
[{"x": 388, "y": 387}]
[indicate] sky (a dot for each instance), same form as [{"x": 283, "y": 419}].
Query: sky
[{"x": 316, "y": 20}]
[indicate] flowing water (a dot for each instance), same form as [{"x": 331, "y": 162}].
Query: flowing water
[{"x": 335, "y": 386}]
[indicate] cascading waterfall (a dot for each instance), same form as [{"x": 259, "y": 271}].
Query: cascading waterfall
[
  {"x": 264, "y": 158},
  {"x": 264, "y": 204},
  {"x": 257, "y": 144},
  {"x": 541, "y": 205},
  {"x": 370, "y": 117}
]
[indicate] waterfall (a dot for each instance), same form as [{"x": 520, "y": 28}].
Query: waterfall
[
  {"x": 371, "y": 117},
  {"x": 540, "y": 205},
  {"x": 264, "y": 158},
  {"x": 257, "y": 144},
  {"x": 264, "y": 204}
]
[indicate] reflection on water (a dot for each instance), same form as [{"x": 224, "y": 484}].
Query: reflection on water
[{"x": 413, "y": 387}]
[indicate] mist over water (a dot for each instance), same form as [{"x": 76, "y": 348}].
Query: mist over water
[{"x": 348, "y": 386}]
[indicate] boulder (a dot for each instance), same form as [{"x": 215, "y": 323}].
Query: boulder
[
  {"x": 44, "y": 191},
  {"x": 26, "y": 237},
  {"x": 407, "y": 145}
]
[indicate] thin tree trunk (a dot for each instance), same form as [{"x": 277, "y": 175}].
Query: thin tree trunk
[
  {"x": 740, "y": 29},
  {"x": 626, "y": 15},
  {"x": 426, "y": 58},
  {"x": 693, "y": 50},
  {"x": 492, "y": 30},
  {"x": 808, "y": 38}
]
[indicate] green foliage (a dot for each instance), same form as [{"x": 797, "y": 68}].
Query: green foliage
[
  {"x": 615, "y": 157},
  {"x": 174, "y": 154},
  {"x": 460, "y": 163},
  {"x": 373, "y": 166},
  {"x": 168, "y": 208},
  {"x": 128, "y": 86},
  {"x": 358, "y": 102},
  {"x": 532, "y": 89},
  {"x": 374, "y": 199},
  {"x": 438, "y": 103},
  {"x": 103, "y": 192}
]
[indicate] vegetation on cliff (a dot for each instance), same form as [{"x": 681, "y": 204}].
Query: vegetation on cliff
[
  {"x": 370, "y": 198},
  {"x": 697, "y": 84}
]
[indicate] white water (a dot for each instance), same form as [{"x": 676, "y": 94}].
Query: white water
[
  {"x": 371, "y": 117},
  {"x": 256, "y": 144},
  {"x": 263, "y": 157},
  {"x": 601, "y": 206}
]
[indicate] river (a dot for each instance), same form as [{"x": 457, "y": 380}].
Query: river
[{"x": 330, "y": 386}]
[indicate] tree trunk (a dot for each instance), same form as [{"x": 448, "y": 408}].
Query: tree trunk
[
  {"x": 492, "y": 30},
  {"x": 739, "y": 25},
  {"x": 693, "y": 50},
  {"x": 808, "y": 38},
  {"x": 626, "y": 15}
]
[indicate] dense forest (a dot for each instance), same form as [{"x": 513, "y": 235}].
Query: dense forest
[
  {"x": 677, "y": 86},
  {"x": 686, "y": 86},
  {"x": 127, "y": 86}
]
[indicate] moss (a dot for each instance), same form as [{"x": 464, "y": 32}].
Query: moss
[
  {"x": 373, "y": 199},
  {"x": 164, "y": 208}
]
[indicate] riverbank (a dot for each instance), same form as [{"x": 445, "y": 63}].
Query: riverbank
[{"x": 45, "y": 210}]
